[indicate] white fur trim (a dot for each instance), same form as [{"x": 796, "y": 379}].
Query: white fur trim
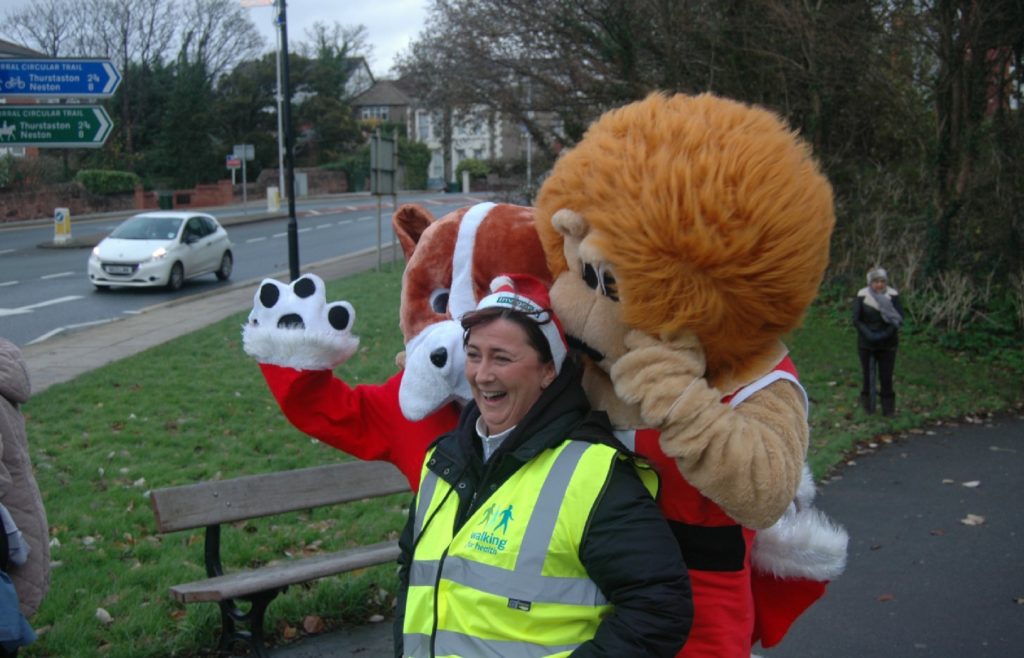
[
  {"x": 299, "y": 349},
  {"x": 802, "y": 544}
]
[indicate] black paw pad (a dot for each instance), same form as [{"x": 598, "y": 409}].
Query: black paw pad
[
  {"x": 304, "y": 287},
  {"x": 291, "y": 321},
  {"x": 269, "y": 295},
  {"x": 339, "y": 317}
]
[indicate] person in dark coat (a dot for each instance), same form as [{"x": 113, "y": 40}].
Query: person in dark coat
[
  {"x": 462, "y": 591},
  {"x": 878, "y": 315}
]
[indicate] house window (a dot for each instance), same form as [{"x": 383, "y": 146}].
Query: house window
[
  {"x": 374, "y": 112},
  {"x": 422, "y": 126}
]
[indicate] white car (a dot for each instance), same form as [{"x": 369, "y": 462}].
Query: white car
[{"x": 161, "y": 249}]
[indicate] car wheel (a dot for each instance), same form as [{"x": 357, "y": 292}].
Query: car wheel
[
  {"x": 177, "y": 277},
  {"x": 226, "y": 263}
]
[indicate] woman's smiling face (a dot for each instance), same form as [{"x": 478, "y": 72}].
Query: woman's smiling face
[{"x": 505, "y": 373}]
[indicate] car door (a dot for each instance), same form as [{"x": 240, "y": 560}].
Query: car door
[{"x": 197, "y": 253}]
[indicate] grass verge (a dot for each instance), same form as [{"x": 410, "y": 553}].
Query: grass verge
[{"x": 197, "y": 408}]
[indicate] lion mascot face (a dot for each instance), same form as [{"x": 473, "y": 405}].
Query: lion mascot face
[{"x": 686, "y": 213}]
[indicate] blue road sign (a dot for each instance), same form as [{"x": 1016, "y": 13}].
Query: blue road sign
[{"x": 58, "y": 78}]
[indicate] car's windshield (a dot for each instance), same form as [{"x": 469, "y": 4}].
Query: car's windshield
[{"x": 148, "y": 228}]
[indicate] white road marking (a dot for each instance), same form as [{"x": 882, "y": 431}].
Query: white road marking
[
  {"x": 323, "y": 226},
  {"x": 363, "y": 219},
  {"x": 260, "y": 239},
  {"x": 6, "y": 251},
  {"x": 352, "y": 207},
  {"x": 279, "y": 235},
  {"x": 54, "y": 332},
  {"x": 21, "y": 310},
  {"x": 305, "y": 230},
  {"x": 8, "y": 283},
  {"x": 58, "y": 275},
  {"x": 344, "y": 221}
]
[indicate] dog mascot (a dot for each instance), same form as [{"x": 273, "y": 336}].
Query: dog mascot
[{"x": 686, "y": 235}]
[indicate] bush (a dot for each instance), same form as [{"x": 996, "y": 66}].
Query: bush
[
  {"x": 415, "y": 157},
  {"x": 102, "y": 181},
  {"x": 476, "y": 168},
  {"x": 356, "y": 166}
]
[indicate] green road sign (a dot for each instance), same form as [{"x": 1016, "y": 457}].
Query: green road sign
[{"x": 65, "y": 126}]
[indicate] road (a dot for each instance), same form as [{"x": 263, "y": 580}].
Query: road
[{"x": 45, "y": 291}]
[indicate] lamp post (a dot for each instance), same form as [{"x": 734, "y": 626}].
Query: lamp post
[{"x": 286, "y": 117}]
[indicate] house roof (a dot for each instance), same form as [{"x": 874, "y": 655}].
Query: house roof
[
  {"x": 9, "y": 49},
  {"x": 383, "y": 92}
]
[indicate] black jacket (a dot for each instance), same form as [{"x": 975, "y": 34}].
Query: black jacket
[
  {"x": 628, "y": 550},
  {"x": 873, "y": 332}
]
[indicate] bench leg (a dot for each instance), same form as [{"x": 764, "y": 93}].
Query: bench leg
[{"x": 231, "y": 616}]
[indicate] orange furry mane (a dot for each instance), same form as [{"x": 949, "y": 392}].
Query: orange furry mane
[{"x": 714, "y": 216}]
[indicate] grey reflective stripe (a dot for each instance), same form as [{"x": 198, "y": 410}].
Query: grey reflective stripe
[
  {"x": 537, "y": 538},
  {"x": 447, "y": 643},
  {"x": 416, "y": 645},
  {"x": 423, "y": 573},
  {"x": 627, "y": 438},
  {"x": 531, "y": 587},
  {"x": 426, "y": 494}
]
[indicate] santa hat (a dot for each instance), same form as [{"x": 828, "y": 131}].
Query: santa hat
[{"x": 526, "y": 293}]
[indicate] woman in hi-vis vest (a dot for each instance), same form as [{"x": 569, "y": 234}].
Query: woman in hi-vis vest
[{"x": 534, "y": 532}]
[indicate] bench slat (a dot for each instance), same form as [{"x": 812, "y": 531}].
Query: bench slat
[
  {"x": 225, "y": 501},
  {"x": 292, "y": 572}
]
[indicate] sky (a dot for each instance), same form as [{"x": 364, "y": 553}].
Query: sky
[{"x": 391, "y": 24}]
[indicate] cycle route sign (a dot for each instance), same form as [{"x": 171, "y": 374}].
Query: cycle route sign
[
  {"x": 54, "y": 126},
  {"x": 58, "y": 78}
]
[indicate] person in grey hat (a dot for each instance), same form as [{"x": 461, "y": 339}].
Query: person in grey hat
[{"x": 878, "y": 315}]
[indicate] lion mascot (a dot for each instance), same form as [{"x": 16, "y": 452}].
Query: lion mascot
[{"x": 687, "y": 235}]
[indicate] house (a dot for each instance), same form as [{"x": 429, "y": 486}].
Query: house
[{"x": 478, "y": 132}]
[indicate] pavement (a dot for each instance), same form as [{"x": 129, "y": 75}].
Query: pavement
[{"x": 935, "y": 515}]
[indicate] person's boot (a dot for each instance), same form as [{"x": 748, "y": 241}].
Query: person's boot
[
  {"x": 867, "y": 402},
  {"x": 889, "y": 404}
]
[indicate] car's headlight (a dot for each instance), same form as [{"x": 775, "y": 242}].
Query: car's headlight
[
  {"x": 158, "y": 254},
  {"x": 96, "y": 251}
]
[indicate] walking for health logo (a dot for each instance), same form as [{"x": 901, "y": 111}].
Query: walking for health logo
[{"x": 495, "y": 522}]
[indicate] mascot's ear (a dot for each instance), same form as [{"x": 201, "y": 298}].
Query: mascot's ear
[
  {"x": 409, "y": 222},
  {"x": 570, "y": 224}
]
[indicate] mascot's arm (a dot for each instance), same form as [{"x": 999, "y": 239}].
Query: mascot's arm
[
  {"x": 364, "y": 421},
  {"x": 747, "y": 459}
]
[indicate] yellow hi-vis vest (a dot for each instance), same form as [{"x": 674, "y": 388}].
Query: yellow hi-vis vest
[{"x": 509, "y": 583}]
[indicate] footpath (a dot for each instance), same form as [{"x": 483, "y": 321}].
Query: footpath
[{"x": 936, "y": 518}]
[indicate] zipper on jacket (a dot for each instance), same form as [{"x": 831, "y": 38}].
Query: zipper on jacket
[{"x": 437, "y": 582}]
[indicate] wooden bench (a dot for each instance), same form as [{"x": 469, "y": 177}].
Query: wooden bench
[{"x": 212, "y": 504}]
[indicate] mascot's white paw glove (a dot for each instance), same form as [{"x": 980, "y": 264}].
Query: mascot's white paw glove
[
  {"x": 294, "y": 326},
  {"x": 659, "y": 375}
]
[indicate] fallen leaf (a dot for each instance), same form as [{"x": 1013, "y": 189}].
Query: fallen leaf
[
  {"x": 938, "y": 532},
  {"x": 886, "y": 597},
  {"x": 973, "y": 519},
  {"x": 970, "y": 485},
  {"x": 313, "y": 624},
  {"x": 1018, "y": 600},
  {"x": 948, "y": 481},
  {"x": 177, "y": 615},
  {"x": 103, "y": 616},
  {"x": 289, "y": 632},
  {"x": 875, "y": 547},
  {"x": 376, "y": 619}
]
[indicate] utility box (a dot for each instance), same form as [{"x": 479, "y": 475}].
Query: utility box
[{"x": 273, "y": 199}]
